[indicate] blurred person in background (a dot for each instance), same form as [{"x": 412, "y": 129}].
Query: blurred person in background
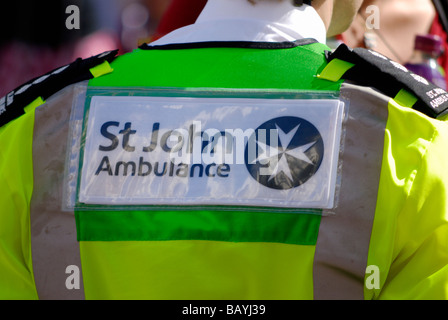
[
  {"x": 178, "y": 14},
  {"x": 399, "y": 22},
  {"x": 35, "y": 39}
]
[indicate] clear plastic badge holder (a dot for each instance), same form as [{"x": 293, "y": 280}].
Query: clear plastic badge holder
[{"x": 166, "y": 149}]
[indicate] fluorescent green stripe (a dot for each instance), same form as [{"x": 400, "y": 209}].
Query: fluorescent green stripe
[
  {"x": 220, "y": 67},
  {"x": 33, "y": 105},
  {"x": 191, "y": 270},
  {"x": 198, "y": 225},
  {"x": 101, "y": 69},
  {"x": 405, "y": 98},
  {"x": 334, "y": 70}
]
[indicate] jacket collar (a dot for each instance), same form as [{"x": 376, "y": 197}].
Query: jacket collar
[{"x": 238, "y": 20}]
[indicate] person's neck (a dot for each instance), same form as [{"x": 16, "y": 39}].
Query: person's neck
[{"x": 325, "y": 10}]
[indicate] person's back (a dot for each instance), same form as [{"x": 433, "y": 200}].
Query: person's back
[{"x": 324, "y": 179}]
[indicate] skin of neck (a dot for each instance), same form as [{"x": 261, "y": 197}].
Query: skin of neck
[{"x": 337, "y": 15}]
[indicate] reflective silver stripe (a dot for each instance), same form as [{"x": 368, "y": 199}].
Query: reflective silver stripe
[
  {"x": 53, "y": 232},
  {"x": 343, "y": 241}
]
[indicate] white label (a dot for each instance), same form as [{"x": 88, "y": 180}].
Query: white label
[{"x": 211, "y": 151}]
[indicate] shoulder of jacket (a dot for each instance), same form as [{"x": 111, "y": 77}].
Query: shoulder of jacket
[
  {"x": 14, "y": 103},
  {"x": 372, "y": 69}
]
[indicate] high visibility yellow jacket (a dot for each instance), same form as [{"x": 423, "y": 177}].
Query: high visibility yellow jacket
[{"x": 386, "y": 239}]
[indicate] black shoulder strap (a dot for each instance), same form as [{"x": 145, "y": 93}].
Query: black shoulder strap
[
  {"x": 13, "y": 104},
  {"x": 372, "y": 69}
]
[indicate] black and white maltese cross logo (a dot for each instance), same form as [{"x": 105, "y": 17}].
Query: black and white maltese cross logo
[{"x": 284, "y": 153}]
